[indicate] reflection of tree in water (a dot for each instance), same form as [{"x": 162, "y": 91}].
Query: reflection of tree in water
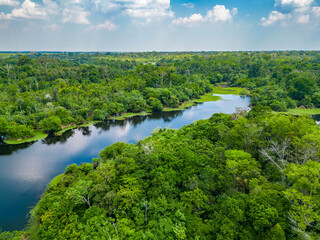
[
  {"x": 85, "y": 131},
  {"x": 166, "y": 116},
  {"x": 137, "y": 120},
  {"x": 316, "y": 117},
  {"x": 8, "y": 149},
  {"x": 105, "y": 126},
  {"x": 52, "y": 139}
]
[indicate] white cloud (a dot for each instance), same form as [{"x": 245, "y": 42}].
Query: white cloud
[
  {"x": 51, "y": 27},
  {"x": 149, "y": 13},
  {"x": 219, "y": 13},
  {"x": 303, "y": 19},
  {"x": 273, "y": 18},
  {"x": 9, "y": 2},
  {"x": 76, "y": 15},
  {"x": 149, "y": 9},
  {"x": 4, "y": 16},
  {"x": 189, "y": 21},
  {"x": 31, "y": 10},
  {"x": 316, "y": 11},
  {"x": 234, "y": 11},
  {"x": 188, "y": 5},
  {"x": 294, "y": 3},
  {"x": 107, "y": 25},
  {"x": 137, "y": 8},
  {"x": 50, "y": 7}
]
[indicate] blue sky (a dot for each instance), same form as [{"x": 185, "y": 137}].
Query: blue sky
[{"x": 159, "y": 25}]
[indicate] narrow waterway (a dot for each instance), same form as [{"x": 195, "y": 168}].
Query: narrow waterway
[{"x": 26, "y": 169}]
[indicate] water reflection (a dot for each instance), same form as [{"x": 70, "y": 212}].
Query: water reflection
[
  {"x": 9, "y": 149},
  {"x": 26, "y": 169},
  {"x": 316, "y": 118}
]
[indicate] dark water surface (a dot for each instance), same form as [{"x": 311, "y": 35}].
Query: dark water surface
[
  {"x": 316, "y": 118},
  {"x": 26, "y": 169}
]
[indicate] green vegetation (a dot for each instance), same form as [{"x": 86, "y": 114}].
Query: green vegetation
[
  {"x": 242, "y": 176},
  {"x": 87, "y": 124},
  {"x": 227, "y": 90},
  {"x": 37, "y": 136},
  {"x": 128, "y": 115},
  {"x": 207, "y": 98},
  {"x": 183, "y": 106},
  {"x": 302, "y": 111},
  {"x": 45, "y": 91},
  {"x": 64, "y": 129}
]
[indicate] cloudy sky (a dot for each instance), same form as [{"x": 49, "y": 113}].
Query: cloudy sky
[{"x": 159, "y": 25}]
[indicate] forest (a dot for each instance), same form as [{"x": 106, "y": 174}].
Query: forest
[
  {"x": 247, "y": 175},
  {"x": 47, "y": 92}
]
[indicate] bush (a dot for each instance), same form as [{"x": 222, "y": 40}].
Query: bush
[
  {"x": 155, "y": 104},
  {"x": 20, "y": 131},
  {"x": 51, "y": 124},
  {"x": 278, "y": 106},
  {"x": 99, "y": 114}
]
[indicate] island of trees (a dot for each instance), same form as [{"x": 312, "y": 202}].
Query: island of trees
[{"x": 248, "y": 175}]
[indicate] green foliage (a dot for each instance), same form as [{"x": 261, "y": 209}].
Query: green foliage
[
  {"x": 16, "y": 235},
  {"x": 4, "y": 126},
  {"x": 99, "y": 114},
  {"x": 50, "y": 124},
  {"x": 208, "y": 180},
  {"x": 155, "y": 104},
  {"x": 228, "y": 177},
  {"x": 18, "y": 131},
  {"x": 81, "y": 87}
]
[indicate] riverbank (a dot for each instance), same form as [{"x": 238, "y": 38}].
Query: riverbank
[
  {"x": 208, "y": 97},
  {"x": 37, "y": 136},
  {"x": 301, "y": 112},
  {"x": 128, "y": 115},
  {"x": 41, "y": 135}
]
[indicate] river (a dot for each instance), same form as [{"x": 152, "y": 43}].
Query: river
[{"x": 26, "y": 169}]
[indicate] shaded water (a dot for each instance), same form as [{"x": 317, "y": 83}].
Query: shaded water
[
  {"x": 26, "y": 169},
  {"x": 316, "y": 118}
]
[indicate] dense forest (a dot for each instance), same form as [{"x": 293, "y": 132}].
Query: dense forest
[
  {"x": 248, "y": 175},
  {"x": 45, "y": 92},
  {"x": 242, "y": 176}
]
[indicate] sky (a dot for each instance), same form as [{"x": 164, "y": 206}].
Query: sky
[{"x": 159, "y": 25}]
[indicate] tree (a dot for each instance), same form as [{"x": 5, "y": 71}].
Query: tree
[
  {"x": 51, "y": 124},
  {"x": 155, "y": 104},
  {"x": 4, "y": 126},
  {"x": 304, "y": 194},
  {"x": 19, "y": 131},
  {"x": 80, "y": 192}
]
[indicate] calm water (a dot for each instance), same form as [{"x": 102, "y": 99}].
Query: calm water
[
  {"x": 26, "y": 169},
  {"x": 316, "y": 118}
]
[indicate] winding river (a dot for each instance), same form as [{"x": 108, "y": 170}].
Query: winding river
[{"x": 26, "y": 169}]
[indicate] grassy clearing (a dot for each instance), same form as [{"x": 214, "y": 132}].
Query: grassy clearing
[
  {"x": 64, "y": 130},
  {"x": 37, "y": 136},
  {"x": 181, "y": 107},
  {"x": 128, "y": 115},
  {"x": 207, "y": 98},
  {"x": 88, "y": 124},
  {"x": 301, "y": 111},
  {"x": 227, "y": 90}
]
